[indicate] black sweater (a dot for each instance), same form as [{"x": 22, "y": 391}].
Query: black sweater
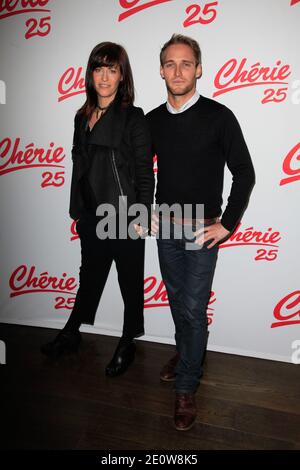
[{"x": 192, "y": 148}]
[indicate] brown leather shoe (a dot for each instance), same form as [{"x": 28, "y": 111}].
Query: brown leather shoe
[
  {"x": 167, "y": 374},
  {"x": 185, "y": 411}
]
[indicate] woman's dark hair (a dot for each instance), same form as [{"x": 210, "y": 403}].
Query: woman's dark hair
[{"x": 108, "y": 54}]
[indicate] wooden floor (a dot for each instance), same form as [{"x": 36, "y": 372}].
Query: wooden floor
[{"x": 243, "y": 403}]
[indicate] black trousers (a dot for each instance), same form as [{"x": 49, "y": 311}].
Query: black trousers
[{"x": 96, "y": 260}]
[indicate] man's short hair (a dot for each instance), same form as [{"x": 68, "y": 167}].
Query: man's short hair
[{"x": 181, "y": 39}]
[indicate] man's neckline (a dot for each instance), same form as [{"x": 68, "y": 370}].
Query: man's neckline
[{"x": 188, "y": 104}]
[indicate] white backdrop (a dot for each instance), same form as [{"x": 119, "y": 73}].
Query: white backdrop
[{"x": 250, "y": 63}]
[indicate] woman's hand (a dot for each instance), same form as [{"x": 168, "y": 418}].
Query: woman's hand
[{"x": 141, "y": 231}]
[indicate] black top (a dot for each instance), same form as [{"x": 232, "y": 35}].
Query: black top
[
  {"x": 89, "y": 199},
  {"x": 192, "y": 148},
  {"x": 98, "y": 164},
  {"x": 113, "y": 159}
]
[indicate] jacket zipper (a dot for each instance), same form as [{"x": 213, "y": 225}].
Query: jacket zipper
[{"x": 116, "y": 174}]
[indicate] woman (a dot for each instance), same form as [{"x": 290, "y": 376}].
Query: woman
[{"x": 111, "y": 159}]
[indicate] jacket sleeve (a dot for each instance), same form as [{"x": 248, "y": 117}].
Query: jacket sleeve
[
  {"x": 74, "y": 202},
  {"x": 143, "y": 161},
  {"x": 239, "y": 162}
]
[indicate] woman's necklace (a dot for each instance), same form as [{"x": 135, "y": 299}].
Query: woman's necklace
[
  {"x": 100, "y": 109},
  {"x": 99, "y": 113}
]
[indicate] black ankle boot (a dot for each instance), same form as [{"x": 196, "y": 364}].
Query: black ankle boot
[
  {"x": 123, "y": 357},
  {"x": 65, "y": 342}
]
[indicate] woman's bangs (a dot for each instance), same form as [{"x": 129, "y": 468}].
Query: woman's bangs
[{"x": 109, "y": 59}]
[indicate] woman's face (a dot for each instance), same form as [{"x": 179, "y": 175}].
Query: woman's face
[{"x": 106, "y": 81}]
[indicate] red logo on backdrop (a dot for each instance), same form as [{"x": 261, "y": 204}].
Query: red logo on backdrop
[
  {"x": 71, "y": 83},
  {"x": 35, "y": 27},
  {"x": 155, "y": 293},
  {"x": 292, "y": 158},
  {"x": 134, "y": 6},
  {"x": 235, "y": 74},
  {"x": 293, "y": 2},
  {"x": 14, "y": 158},
  {"x": 210, "y": 310},
  {"x": 74, "y": 234},
  {"x": 24, "y": 280},
  {"x": 250, "y": 237},
  {"x": 287, "y": 311},
  {"x": 156, "y": 296},
  {"x": 196, "y": 14}
]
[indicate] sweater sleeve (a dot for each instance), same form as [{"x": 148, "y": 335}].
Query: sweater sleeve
[{"x": 239, "y": 163}]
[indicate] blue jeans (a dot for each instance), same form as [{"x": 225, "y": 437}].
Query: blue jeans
[{"x": 188, "y": 276}]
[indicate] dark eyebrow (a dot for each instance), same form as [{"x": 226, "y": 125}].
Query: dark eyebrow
[{"x": 183, "y": 60}]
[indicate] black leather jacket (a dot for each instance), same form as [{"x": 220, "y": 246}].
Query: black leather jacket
[{"x": 124, "y": 140}]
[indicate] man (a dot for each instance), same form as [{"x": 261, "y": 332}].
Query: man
[{"x": 193, "y": 138}]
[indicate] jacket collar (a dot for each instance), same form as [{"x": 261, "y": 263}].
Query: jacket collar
[{"x": 110, "y": 132}]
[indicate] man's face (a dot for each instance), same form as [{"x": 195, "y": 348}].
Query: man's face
[{"x": 179, "y": 69}]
